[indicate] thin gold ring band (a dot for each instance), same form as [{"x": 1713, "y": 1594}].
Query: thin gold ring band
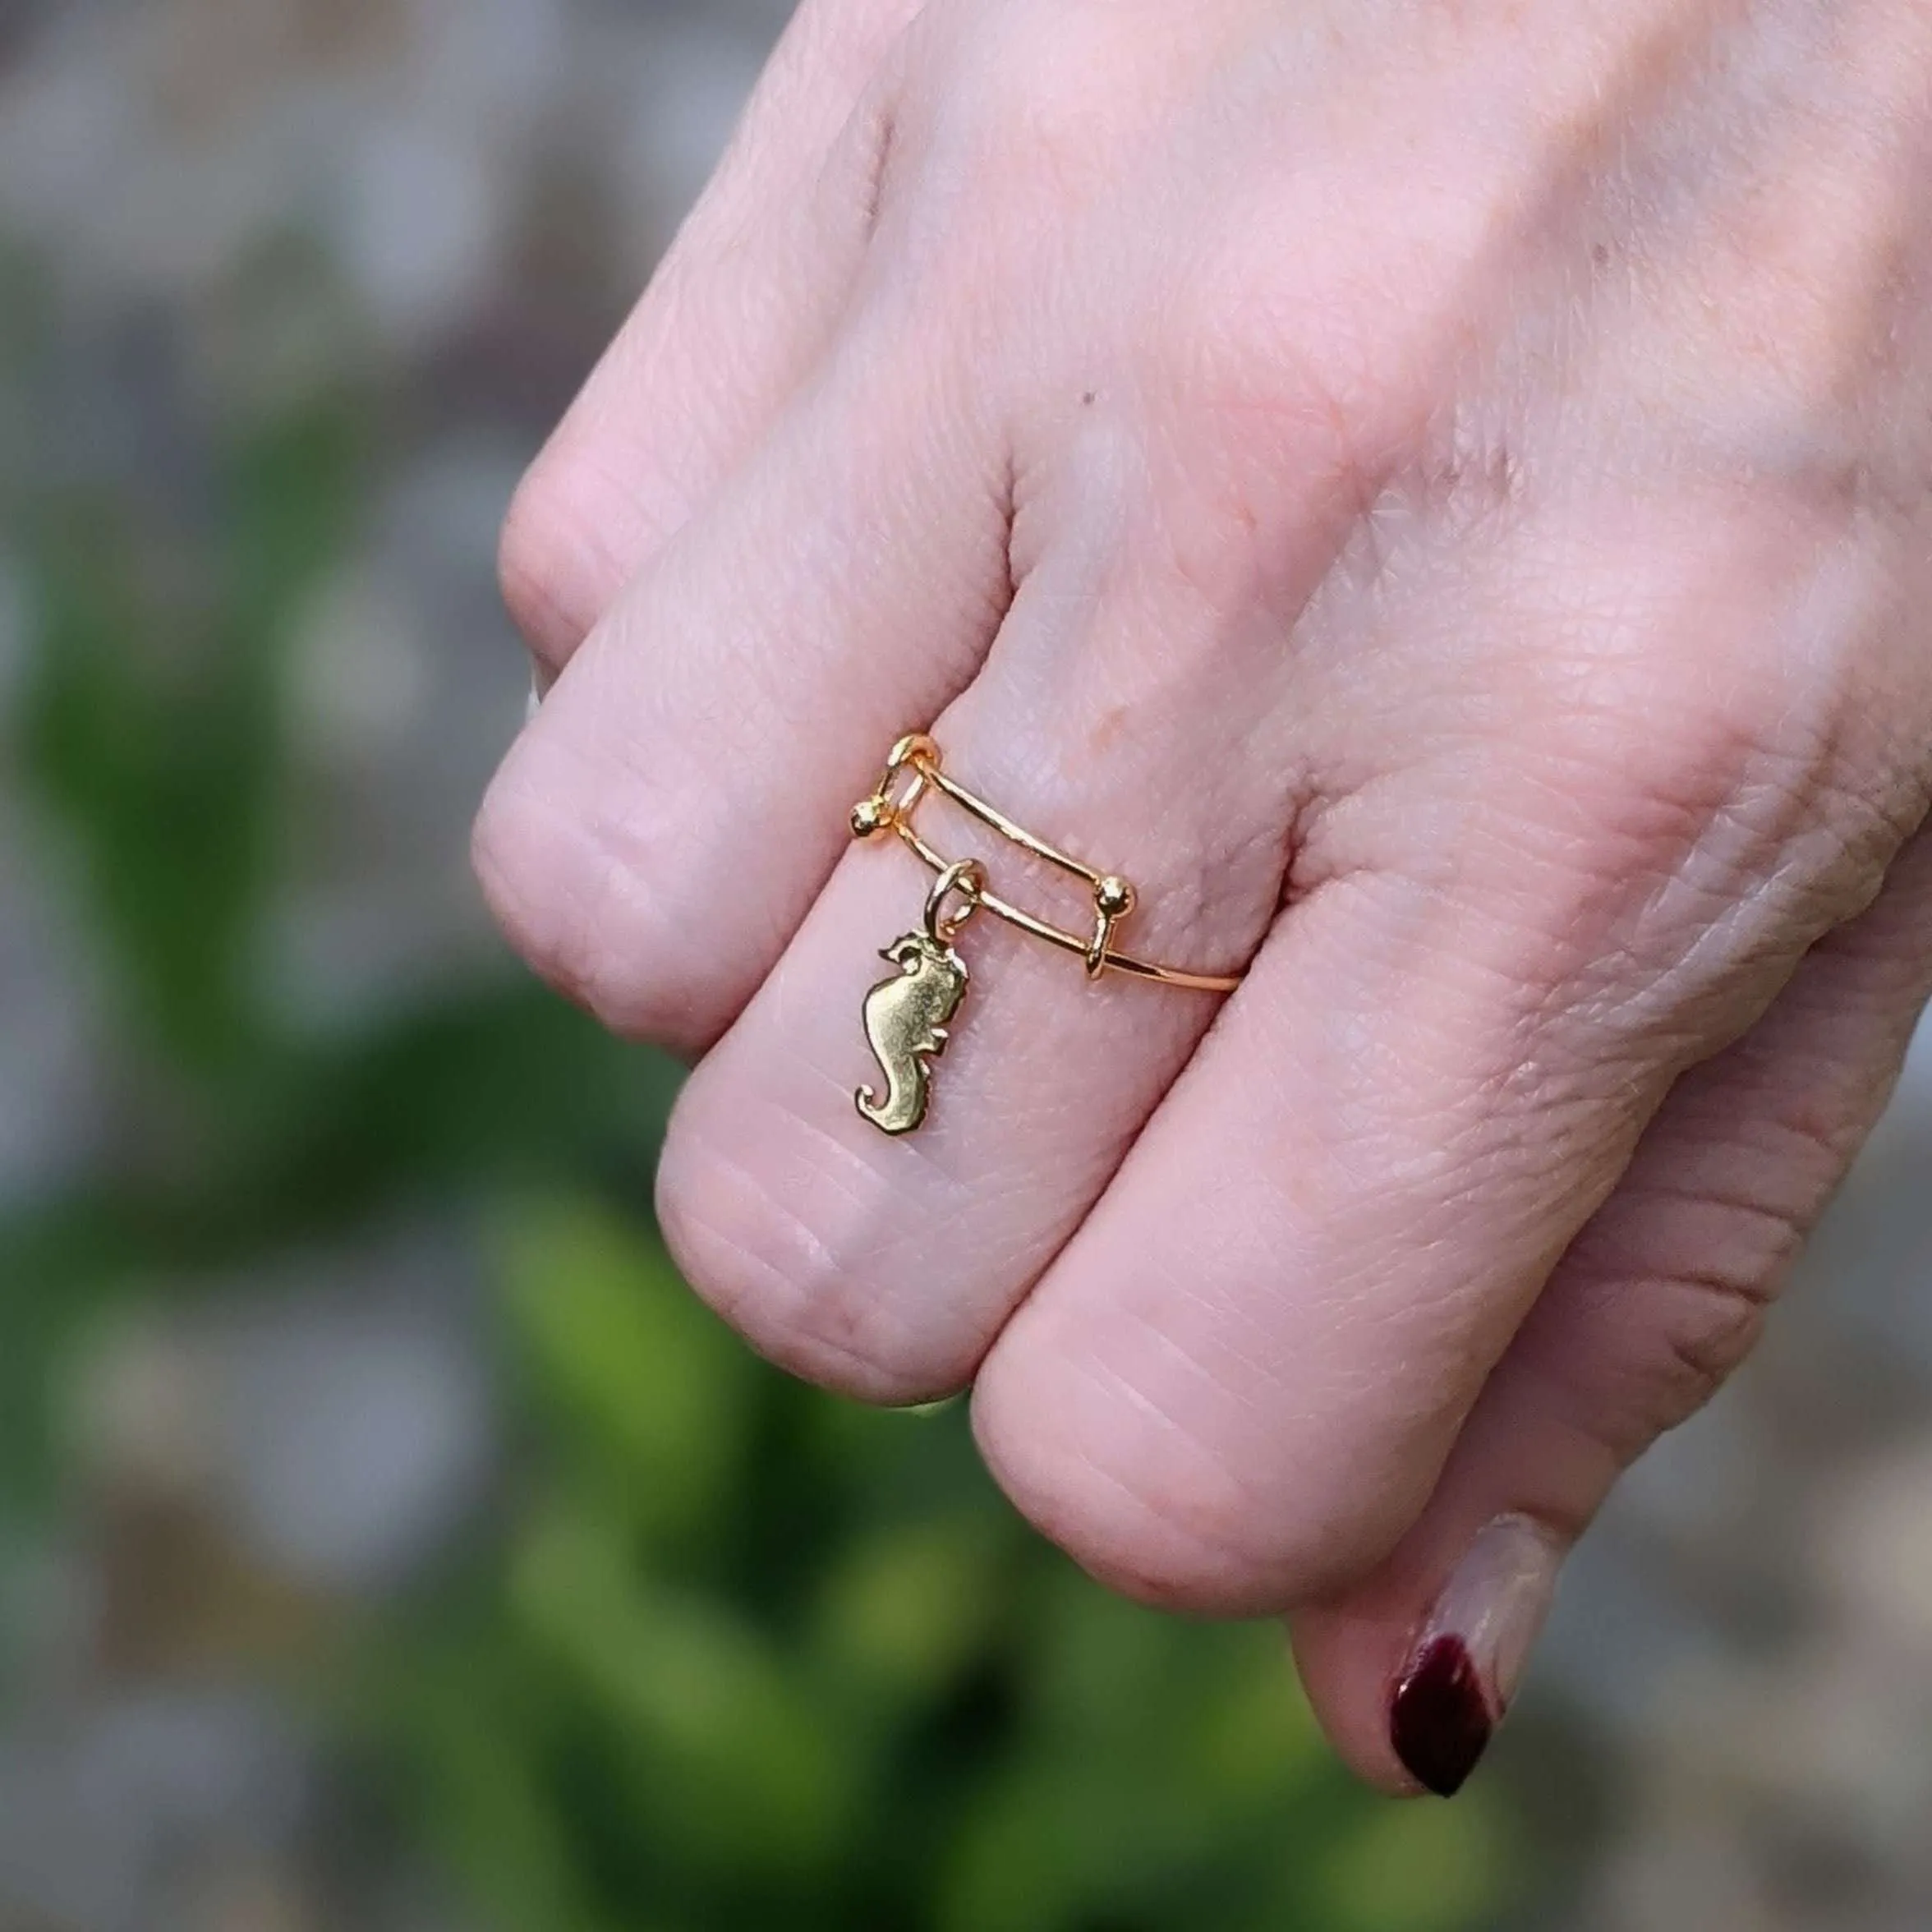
[{"x": 918, "y": 760}]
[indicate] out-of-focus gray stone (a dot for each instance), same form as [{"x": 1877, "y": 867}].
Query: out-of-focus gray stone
[
  {"x": 1870, "y": 1263},
  {"x": 406, "y": 686},
  {"x": 1914, "y": 1090},
  {"x": 357, "y": 1429},
  {"x": 684, "y": 100},
  {"x": 204, "y": 1808},
  {"x": 109, "y": 1811},
  {"x": 1871, "y": 1526},
  {"x": 337, "y": 1422}
]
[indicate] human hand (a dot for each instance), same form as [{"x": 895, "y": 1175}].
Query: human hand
[{"x": 1443, "y": 498}]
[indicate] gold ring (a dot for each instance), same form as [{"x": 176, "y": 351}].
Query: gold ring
[{"x": 907, "y": 1016}]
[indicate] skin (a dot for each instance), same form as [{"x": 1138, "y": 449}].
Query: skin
[{"x": 1440, "y": 496}]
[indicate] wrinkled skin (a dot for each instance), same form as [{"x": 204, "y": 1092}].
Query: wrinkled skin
[{"x": 1443, "y": 497}]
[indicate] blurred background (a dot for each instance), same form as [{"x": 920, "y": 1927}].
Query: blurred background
[{"x": 386, "y": 1541}]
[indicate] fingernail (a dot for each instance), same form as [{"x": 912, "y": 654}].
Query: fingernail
[{"x": 1464, "y": 1668}]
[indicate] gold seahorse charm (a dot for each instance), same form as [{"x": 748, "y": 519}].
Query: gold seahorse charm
[
  {"x": 905, "y": 1021},
  {"x": 907, "y": 1016}
]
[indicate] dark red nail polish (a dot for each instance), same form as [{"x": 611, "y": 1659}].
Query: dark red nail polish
[{"x": 1440, "y": 1721}]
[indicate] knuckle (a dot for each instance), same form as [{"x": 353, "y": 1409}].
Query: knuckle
[
  {"x": 1038, "y": 103},
  {"x": 1792, "y": 321},
  {"x": 1226, "y": 336},
  {"x": 1714, "y": 1322},
  {"x": 787, "y": 1253},
  {"x": 1153, "y": 1512},
  {"x": 1662, "y": 721},
  {"x": 1253, "y": 443},
  {"x": 1672, "y": 797},
  {"x": 524, "y": 865},
  {"x": 1697, "y": 679},
  {"x": 1041, "y": 76},
  {"x": 1283, "y": 407},
  {"x": 592, "y": 508},
  {"x": 1285, "y": 314},
  {"x": 574, "y": 912},
  {"x": 1696, "y": 1325},
  {"x": 1168, "y": 1545},
  {"x": 508, "y": 858},
  {"x": 536, "y": 570},
  {"x": 1677, "y": 1304}
]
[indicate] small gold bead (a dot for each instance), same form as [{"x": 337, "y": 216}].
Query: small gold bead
[
  {"x": 869, "y": 815},
  {"x": 1114, "y": 896}
]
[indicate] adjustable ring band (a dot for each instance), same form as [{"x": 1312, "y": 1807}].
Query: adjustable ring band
[
  {"x": 908, "y": 1016},
  {"x": 916, "y": 761}
]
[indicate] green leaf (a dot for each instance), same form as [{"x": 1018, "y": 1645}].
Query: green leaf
[
  {"x": 150, "y": 717},
  {"x": 734, "y": 1762},
  {"x": 645, "y": 1381},
  {"x": 1419, "y": 1868},
  {"x": 908, "y": 1608}
]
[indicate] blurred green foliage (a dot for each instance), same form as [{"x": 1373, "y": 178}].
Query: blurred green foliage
[
  {"x": 752, "y": 1657},
  {"x": 728, "y": 1654}
]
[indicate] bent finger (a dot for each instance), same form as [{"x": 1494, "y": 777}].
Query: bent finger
[
  {"x": 1132, "y": 722},
  {"x": 659, "y": 829},
  {"x": 739, "y": 313},
  {"x": 1656, "y": 1304},
  {"x": 1236, "y": 1387}
]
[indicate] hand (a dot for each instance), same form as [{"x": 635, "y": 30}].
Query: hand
[{"x": 1443, "y": 497}]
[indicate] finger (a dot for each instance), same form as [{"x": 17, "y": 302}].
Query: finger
[
  {"x": 1238, "y": 1383},
  {"x": 662, "y": 825},
  {"x": 1658, "y": 1300},
  {"x": 739, "y": 312},
  {"x": 1138, "y": 724},
  {"x": 1651, "y": 725},
  {"x": 1255, "y": 442}
]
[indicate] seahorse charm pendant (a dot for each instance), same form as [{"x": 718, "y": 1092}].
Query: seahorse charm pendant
[
  {"x": 907, "y": 1016},
  {"x": 906, "y": 1020}
]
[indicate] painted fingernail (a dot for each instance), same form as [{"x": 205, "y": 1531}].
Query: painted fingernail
[{"x": 1464, "y": 1668}]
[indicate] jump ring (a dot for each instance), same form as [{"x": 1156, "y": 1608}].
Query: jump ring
[{"x": 968, "y": 878}]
